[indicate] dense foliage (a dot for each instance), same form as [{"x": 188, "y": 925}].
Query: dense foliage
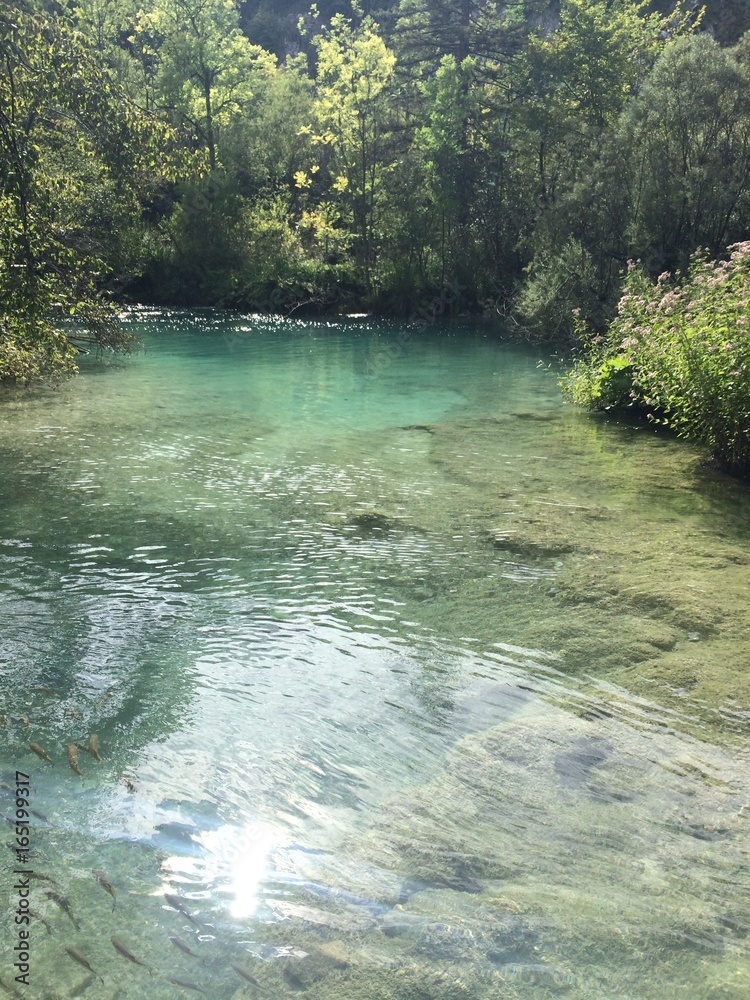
[
  {"x": 336, "y": 157},
  {"x": 679, "y": 348},
  {"x": 75, "y": 157}
]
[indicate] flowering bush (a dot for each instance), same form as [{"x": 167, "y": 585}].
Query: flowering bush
[{"x": 683, "y": 345}]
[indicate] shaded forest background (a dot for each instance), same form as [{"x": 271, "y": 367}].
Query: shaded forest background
[{"x": 271, "y": 156}]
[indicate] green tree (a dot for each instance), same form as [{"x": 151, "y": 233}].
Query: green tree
[
  {"x": 427, "y": 30},
  {"x": 578, "y": 81},
  {"x": 63, "y": 128},
  {"x": 354, "y": 72},
  {"x": 581, "y": 76},
  {"x": 447, "y": 148},
  {"x": 266, "y": 145},
  {"x": 209, "y": 79},
  {"x": 688, "y": 134},
  {"x": 117, "y": 30},
  {"x": 207, "y": 68}
]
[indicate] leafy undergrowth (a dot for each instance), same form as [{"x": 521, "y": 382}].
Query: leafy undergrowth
[{"x": 680, "y": 349}]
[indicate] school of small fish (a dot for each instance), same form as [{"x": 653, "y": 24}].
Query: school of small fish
[{"x": 120, "y": 946}]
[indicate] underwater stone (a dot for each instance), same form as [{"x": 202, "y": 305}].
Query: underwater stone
[{"x": 372, "y": 521}]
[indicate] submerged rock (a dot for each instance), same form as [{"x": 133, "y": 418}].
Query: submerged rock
[
  {"x": 543, "y": 546},
  {"x": 372, "y": 521},
  {"x": 532, "y": 415},
  {"x": 590, "y": 837}
]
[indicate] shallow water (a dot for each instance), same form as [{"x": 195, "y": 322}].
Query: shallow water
[{"x": 425, "y": 684}]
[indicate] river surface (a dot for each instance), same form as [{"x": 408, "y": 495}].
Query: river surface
[{"x": 409, "y": 679}]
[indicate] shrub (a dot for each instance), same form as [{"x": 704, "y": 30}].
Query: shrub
[
  {"x": 599, "y": 381},
  {"x": 30, "y": 348},
  {"x": 555, "y": 283},
  {"x": 685, "y": 344}
]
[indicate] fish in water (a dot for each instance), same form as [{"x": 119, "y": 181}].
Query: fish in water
[
  {"x": 185, "y": 984},
  {"x": 39, "y": 815},
  {"x": 104, "y": 699},
  {"x": 25, "y": 720},
  {"x": 43, "y": 920},
  {"x": 46, "y": 690},
  {"x": 93, "y": 746},
  {"x": 101, "y": 878},
  {"x": 42, "y": 877},
  {"x": 62, "y": 902},
  {"x": 81, "y": 959},
  {"x": 244, "y": 973},
  {"x": 128, "y": 783},
  {"x": 75, "y": 713},
  {"x": 39, "y": 752},
  {"x": 13, "y": 990},
  {"x": 179, "y": 943},
  {"x": 80, "y": 990},
  {"x": 177, "y": 904},
  {"x": 73, "y": 759},
  {"x": 536, "y": 974},
  {"x": 123, "y": 950}
]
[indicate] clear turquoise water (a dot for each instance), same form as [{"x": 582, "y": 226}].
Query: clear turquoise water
[{"x": 427, "y": 685}]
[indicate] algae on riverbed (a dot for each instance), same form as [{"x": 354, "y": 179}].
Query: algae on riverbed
[{"x": 634, "y": 554}]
